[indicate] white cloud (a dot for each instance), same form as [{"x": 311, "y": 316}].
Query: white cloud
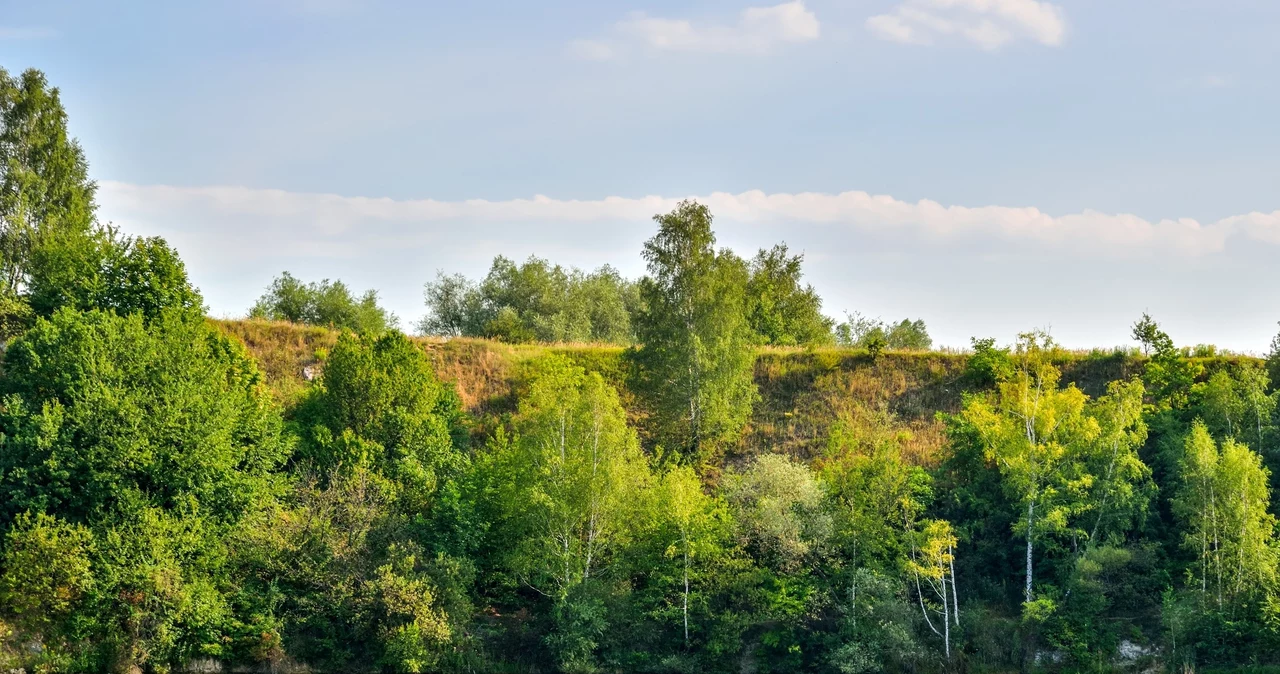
[
  {"x": 25, "y": 33},
  {"x": 349, "y": 225},
  {"x": 757, "y": 30},
  {"x": 988, "y": 24},
  {"x": 1207, "y": 81},
  {"x": 874, "y": 253},
  {"x": 591, "y": 50}
]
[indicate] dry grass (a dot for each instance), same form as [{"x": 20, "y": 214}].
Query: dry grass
[
  {"x": 283, "y": 350},
  {"x": 803, "y": 391}
]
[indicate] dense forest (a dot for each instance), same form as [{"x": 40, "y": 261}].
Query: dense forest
[{"x": 573, "y": 471}]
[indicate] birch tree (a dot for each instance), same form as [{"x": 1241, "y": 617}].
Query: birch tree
[
  {"x": 45, "y": 190},
  {"x": 577, "y": 475},
  {"x": 695, "y": 359},
  {"x": 1222, "y": 506},
  {"x": 1038, "y": 436},
  {"x": 1115, "y": 464},
  {"x": 932, "y": 567},
  {"x": 691, "y": 526}
]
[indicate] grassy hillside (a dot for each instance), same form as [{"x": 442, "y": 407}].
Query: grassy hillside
[{"x": 803, "y": 393}]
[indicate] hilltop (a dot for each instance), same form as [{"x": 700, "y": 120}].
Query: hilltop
[{"x": 803, "y": 391}]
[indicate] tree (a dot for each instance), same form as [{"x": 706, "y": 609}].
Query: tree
[
  {"x": 572, "y": 474},
  {"x": 932, "y": 566},
  {"x": 381, "y": 406},
  {"x": 103, "y": 410},
  {"x": 1222, "y": 403},
  {"x": 44, "y": 183},
  {"x": 695, "y": 361},
  {"x": 779, "y": 309},
  {"x": 909, "y": 335},
  {"x": 1114, "y": 462},
  {"x": 158, "y": 437},
  {"x": 348, "y": 583},
  {"x": 877, "y": 493},
  {"x": 1223, "y": 507},
  {"x": 1169, "y": 374},
  {"x": 780, "y": 511},
  {"x": 328, "y": 303},
  {"x": 691, "y": 526},
  {"x": 107, "y": 271},
  {"x": 375, "y": 544},
  {"x": 454, "y": 307},
  {"x": 532, "y": 301},
  {"x": 1038, "y": 435},
  {"x": 867, "y": 333},
  {"x": 1148, "y": 333}
]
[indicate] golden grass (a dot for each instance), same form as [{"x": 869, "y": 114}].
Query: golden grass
[{"x": 803, "y": 391}]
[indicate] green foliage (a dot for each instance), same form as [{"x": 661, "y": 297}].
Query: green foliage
[
  {"x": 158, "y": 438},
  {"x": 157, "y": 507},
  {"x": 874, "y": 490},
  {"x": 574, "y": 476},
  {"x": 348, "y": 581},
  {"x": 1169, "y": 374},
  {"x": 46, "y": 572},
  {"x": 534, "y": 301},
  {"x": 15, "y": 315},
  {"x": 1059, "y": 458},
  {"x": 989, "y": 364},
  {"x": 101, "y": 412},
  {"x": 779, "y": 309},
  {"x": 779, "y": 508},
  {"x": 694, "y": 362},
  {"x": 380, "y": 405},
  {"x": 44, "y": 185},
  {"x": 328, "y": 303},
  {"x": 873, "y": 334},
  {"x": 106, "y": 271},
  {"x": 1223, "y": 508}
]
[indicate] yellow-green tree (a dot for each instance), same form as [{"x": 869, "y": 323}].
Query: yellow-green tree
[
  {"x": 1222, "y": 506},
  {"x": 574, "y": 476},
  {"x": 1039, "y": 437},
  {"x": 692, "y": 523},
  {"x": 932, "y": 567}
]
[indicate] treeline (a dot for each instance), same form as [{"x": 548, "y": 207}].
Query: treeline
[
  {"x": 160, "y": 508},
  {"x": 537, "y": 301},
  {"x": 540, "y": 302}
]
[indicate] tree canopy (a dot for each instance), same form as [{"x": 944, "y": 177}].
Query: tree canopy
[
  {"x": 695, "y": 361},
  {"x": 327, "y": 303}
]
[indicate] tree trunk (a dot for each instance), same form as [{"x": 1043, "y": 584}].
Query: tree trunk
[
  {"x": 955, "y": 599},
  {"x": 686, "y": 588},
  {"x": 1031, "y": 510}
]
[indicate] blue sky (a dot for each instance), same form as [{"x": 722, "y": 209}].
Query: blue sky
[{"x": 987, "y": 165}]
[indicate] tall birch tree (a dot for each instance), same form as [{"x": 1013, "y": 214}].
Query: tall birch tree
[
  {"x": 1039, "y": 437},
  {"x": 695, "y": 360}
]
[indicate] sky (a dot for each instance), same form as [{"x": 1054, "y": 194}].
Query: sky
[{"x": 989, "y": 166}]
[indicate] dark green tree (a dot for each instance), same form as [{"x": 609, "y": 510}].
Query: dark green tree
[
  {"x": 1169, "y": 373},
  {"x": 534, "y": 301},
  {"x": 779, "y": 309},
  {"x": 372, "y": 553}
]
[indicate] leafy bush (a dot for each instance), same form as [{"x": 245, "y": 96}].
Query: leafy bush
[{"x": 328, "y": 303}]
